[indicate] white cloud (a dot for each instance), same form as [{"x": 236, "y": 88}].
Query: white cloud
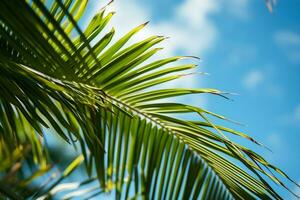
[
  {"x": 253, "y": 79},
  {"x": 286, "y": 37},
  {"x": 190, "y": 27},
  {"x": 194, "y": 12},
  {"x": 289, "y": 41},
  {"x": 239, "y": 8},
  {"x": 262, "y": 78}
]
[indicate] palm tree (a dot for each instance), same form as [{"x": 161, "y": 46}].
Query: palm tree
[{"x": 99, "y": 98}]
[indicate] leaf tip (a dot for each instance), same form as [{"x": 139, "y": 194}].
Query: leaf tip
[{"x": 144, "y": 24}]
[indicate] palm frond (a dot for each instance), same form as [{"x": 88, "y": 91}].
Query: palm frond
[
  {"x": 270, "y": 4},
  {"x": 100, "y": 96},
  {"x": 41, "y": 183}
]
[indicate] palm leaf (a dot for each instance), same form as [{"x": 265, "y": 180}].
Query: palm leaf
[{"x": 100, "y": 96}]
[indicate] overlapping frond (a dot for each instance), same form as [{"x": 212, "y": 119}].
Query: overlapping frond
[
  {"x": 100, "y": 96},
  {"x": 38, "y": 181}
]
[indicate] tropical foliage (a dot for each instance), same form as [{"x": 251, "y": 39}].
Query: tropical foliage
[{"x": 107, "y": 100}]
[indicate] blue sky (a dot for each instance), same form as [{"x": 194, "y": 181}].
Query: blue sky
[{"x": 246, "y": 50}]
